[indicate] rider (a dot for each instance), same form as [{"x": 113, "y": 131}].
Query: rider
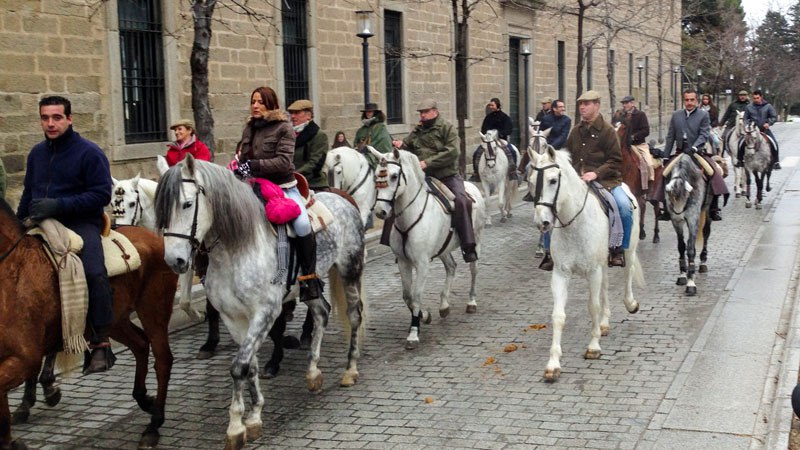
[
  {"x": 68, "y": 178},
  {"x": 596, "y": 156},
  {"x": 267, "y": 151},
  {"x": 310, "y": 145},
  {"x": 546, "y": 110},
  {"x": 498, "y": 120},
  {"x": 707, "y": 105},
  {"x": 689, "y": 130},
  {"x": 637, "y": 128},
  {"x": 373, "y": 132},
  {"x": 435, "y": 142},
  {"x": 729, "y": 118},
  {"x": 764, "y": 115},
  {"x": 185, "y": 143},
  {"x": 559, "y": 125}
]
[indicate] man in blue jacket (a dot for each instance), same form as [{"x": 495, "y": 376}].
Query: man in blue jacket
[
  {"x": 764, "y": 115},
  {"x": 68, "y": 178}
]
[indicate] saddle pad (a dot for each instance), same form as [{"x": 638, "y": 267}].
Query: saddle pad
[
  {"x": 442, "y": 194},
  {"x": 319, "y": 215},
  {"x": 120, "y": 254}
]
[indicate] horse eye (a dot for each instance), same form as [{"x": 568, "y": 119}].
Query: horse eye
[
  {"x": 394, "y": 176},
  {"x": 553, "y": 181},
  {"x": 132, "y": 204},
  {"x": 187, "y": 205}
]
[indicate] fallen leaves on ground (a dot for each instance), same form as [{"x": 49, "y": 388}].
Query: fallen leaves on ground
[
  {"x": 510, "y": 348},
  {"x": 536, "y": 327},
  {"x": 489, "y": 361},
  {"x": 428, "y": 400}
]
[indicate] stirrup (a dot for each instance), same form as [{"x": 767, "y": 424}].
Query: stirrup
[{"x": 100, "y": 359}]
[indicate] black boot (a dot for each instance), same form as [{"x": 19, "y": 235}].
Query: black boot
[
  {"x": 101, "y": 311},
  {"x": 616, "y": 257},
  {"x": 547, "y": 262},
  {"x": 101, "y": 358},
  {"x": 307, "y": 256},
  {"x": 470, "y": 254},
  {"x": 476, "y": 158},
  {"x": 714, "y": 209}
]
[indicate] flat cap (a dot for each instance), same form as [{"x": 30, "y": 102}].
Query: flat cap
[
  {"x": 182, "y": 123},
  {"x": 589, "y": 96},
  {"x": 743, "y": 92},
  {"x": 371, "y": 107},
  {"x": 627, "y": 98},
  {"x": 301, "y": 105},
  {"x": 426, "y": 104},
  {"x": 546, "y": 100}
]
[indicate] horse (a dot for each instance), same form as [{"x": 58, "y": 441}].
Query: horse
[
  {"x": 31, "y": 320},
  {"x": 348, "y": 169},
  {"x": 632, "y": 175},
  {"x": 688, "y": 199},
  {"x": 579, "y": 246},
  {"x": 732, "y": 145},
  {"x": 537, "y": 142},
  {"x": 757, "y": 161},
  {"x": 198, "y": 201},
  {"x": 421, "y": 231},
  {"x": 493, "y": 169}
]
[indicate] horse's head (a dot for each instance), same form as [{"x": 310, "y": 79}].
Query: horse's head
[
  {"x": 489, "y": 142},
  {"x": 182, "y": 212},
  {"x": 544, "y": 183},
  {"x": 391, "y": 179},
  {"x": 333, "y": 169},
  {"x": 740, "y": 122},
  {"x": 126, "y": 205},
  {"x": 683, "y": 180}
]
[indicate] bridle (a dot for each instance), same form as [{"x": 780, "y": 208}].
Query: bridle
[
  {"x": 119, "y": 208},
  {"x": 353, "y": 189},
  {"x": 193, "y": 241},
  {"x": 537, "y": 195},
  {"x": 490, "y": 156}
]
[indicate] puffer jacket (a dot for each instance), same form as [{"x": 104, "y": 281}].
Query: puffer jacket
[{"x": 269, "y": 148}]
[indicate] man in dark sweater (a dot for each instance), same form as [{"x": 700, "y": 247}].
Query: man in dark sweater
[
  {"x": 498, "y": 120},
  {"x": 68, "y": 178}
]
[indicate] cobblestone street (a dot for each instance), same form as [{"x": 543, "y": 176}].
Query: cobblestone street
[{"x": 460, "y": 389}]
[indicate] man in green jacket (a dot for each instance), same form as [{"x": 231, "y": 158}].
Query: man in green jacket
[
  {"x": 373, "y": 132},
  {"x": 435, "y": 142},
  {"x": 311, "y": 144}
]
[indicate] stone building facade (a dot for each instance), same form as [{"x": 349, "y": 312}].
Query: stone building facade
[{"x": 100, "y": 54}]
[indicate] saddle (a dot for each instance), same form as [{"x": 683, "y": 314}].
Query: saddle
[
  {"x": 441, "y": 193},
  {"x": 280, "y": 210},
  {"x": 701, "y": 163}
]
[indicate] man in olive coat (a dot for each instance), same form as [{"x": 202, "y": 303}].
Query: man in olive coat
[
  {"x": 435, "y": 142},
  {"x": 310, "y": 146}
]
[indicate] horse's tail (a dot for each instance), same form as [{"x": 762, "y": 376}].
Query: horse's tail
[
  {"x": 637, "y": 272},
  {"x": 339, "y": 303},
  {"x": 66, "y": 363}
]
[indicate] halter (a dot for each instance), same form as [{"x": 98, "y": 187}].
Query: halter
[
  {"x": 138, "y": 211},
  {"x": 193, "y": 241},
  {"x": 491, "y": 155},
  {"x": 353, "y": 189},
  {"x": 537, "y": 195}
]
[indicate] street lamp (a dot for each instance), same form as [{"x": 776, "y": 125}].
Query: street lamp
[
  {"x": 365, "y": 32},
  {"x": 525, "y": 51},
  {"x": 640, "y": 68},
  {"x": 699, "y": 74},
  {"x": 675, "y": 77}
]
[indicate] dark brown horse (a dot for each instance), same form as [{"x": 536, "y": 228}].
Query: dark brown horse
[
  {"x": 30, "y": 319},
  {"x": 631, "y": 175}
]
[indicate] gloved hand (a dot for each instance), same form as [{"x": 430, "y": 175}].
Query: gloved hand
[
  {"x": 690, "y": 151},
  {"x": 42, "y": 208},
  {"x": 655, "y": 152},
  {"x": 243, "y": 171}
]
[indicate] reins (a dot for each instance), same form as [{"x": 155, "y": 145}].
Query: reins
[
  {"x": 191, "y": 237},
  {"x": 537, "y": 195}
]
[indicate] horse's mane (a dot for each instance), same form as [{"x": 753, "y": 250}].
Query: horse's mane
[
  {"x": 564, "y": 161},
  {"x": 6, "y": 210},
  {"x": 411, "y": 166},
  {"x": 686, "y": 171},
  {"x": 236, "y": 210}
]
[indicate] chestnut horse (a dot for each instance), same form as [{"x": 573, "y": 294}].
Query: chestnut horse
[
  {"x": 631, "y": 175},
  {"x": 30, "y": 319}
]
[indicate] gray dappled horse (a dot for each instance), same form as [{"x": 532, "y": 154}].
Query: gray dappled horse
[
  {"x": 198, "y": 201},
  {"x": 757, "y": 161}
]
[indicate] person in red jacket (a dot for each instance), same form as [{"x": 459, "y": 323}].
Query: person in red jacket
[{"x": 185, "y": 142}]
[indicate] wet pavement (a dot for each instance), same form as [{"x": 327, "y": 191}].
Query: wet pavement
[{"x": 711, "y": 371}]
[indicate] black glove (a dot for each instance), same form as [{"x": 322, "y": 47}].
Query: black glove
[
  {"x": 243, "y": 171},
  {"x": 690, "y": 151},
  {"x": 655, "y": 152},
  {"x": 42, "y": 208}
]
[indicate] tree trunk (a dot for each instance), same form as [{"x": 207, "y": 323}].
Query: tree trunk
[
  {"x": 203, "y": 10},
  {"x": 462, "y": 32}
]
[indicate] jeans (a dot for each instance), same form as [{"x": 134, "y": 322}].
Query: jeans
[
  {"x": 301, "y": 225},
  {"x": 625, "y": 214}
]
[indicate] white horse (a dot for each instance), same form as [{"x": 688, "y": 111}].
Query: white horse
[
  {"x": 421, "y": 231},
  {"x": 198, "y": 201},
  {"x": 347, "y": 169},
  {"x": 579, "y": 246},
  {"x": 732, "y": 144},
  {"x": 493, "y": 169},
  {"x": 537, "y": 142},
  {"x": 757, "y": 161}
]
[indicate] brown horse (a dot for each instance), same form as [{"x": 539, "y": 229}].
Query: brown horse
[
  {"x": 30, "y": 318},
  {"x": 631, "y": 175}
]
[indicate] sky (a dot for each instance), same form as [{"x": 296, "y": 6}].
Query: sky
[{"x": 756, "y": 9}]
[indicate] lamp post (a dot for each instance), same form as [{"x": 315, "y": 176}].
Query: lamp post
[
  {"x": 697, "y": 83},
  {"x": 525, "y": 51},
  {"x": 675, "y": 92},
  {"x": 640, "y": 68},
  {"x": 365, "y": 32},
  {"x": 733, "y": 87}
]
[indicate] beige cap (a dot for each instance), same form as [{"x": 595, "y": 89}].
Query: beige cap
[
  {"x": 182, "y": 123},
  {"x": 428, "y": 103},
  {"x": 743, "y": 92},
  {"x": 589, "y": 96},
  {"x": 546, "y": 100},
  {"x": 301, "y": 105}
]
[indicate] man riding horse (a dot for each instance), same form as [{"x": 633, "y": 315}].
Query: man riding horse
[
  {"x": 729, "y": 118},
  {"x": 637, "y": 128},
  {"x": 764, "y": 115},
  {"x": 496, "y": 120}
]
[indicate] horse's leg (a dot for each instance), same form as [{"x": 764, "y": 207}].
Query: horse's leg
[
  {"x": 273, "y": 366},
  {"x": 605, "y": 308},
  {"x": 691, "y": 249},
  {"x": 540, "y": 246},
  {"x": 252, "y": 421},
  {"x": 52, "y": 393},
  {"x": 5, "y": 424},
  {"x": 559, "y": 285},
  {"x": 450, "y": 273},
  {"x": 487, "y": 191},
  {"x": 595, "y": 280},
  {"x": 12, "y": 374},
  {"x": 501, "y": 198},
  {"x": 412, "y": 295},
  {"x": 759, "y": 188},
  {"x": 703, "y": 268},
  {"x": 472, "y": 305},
  {"x": 747, "y": 202},
  {"x": 681, "y": 254},
  {"x": 320, "y": 310},
  {"x": 355, "y": 315},
  {"x": 210, "y": 347},
  {"x": 23, "y": 411},
  {"x": 642, "y": 210},
  {"x": 656, "y": 231}
]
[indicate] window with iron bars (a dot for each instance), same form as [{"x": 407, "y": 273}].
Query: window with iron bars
[
  {"x": 393, "y": 45},
  {"x": 295, "y": 50},
  {"x": 142, "y": 61}
]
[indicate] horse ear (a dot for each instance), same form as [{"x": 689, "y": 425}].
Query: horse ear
[
  {"x": 689, "y": 187},
  {"x": 114, "y": 181},
  {"x": 337, "y": 158},
  {"x": 190, "y": 161},
  {"x": 483, "y": 136},
  {"x": 161, "y": 164},
  {"x": 551, "y": 151},
  {"x": 396, "y": 154},
  {"x": 547, "y": 132},
  {"x": 377, "y": 154},
  {"x": 135, "y": 180}
]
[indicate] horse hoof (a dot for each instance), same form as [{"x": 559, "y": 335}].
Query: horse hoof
[
  {"x": 603, "y": 330},
  {"x": 270, "y": 371},
  {"x": 444, "y": 312},
  {"x": 472, "y": 309},
  {"x": 205, "y": 354},
  {"x": 426, "y": 317},
  {"x": 758, "y": 206},
  {"x": 737, "y": 195},
  {"x": 235, "y": 442},
  {"x": 642, "y": 236},
  {"x": 551, "y": 375},
  {"x": 314, "y": 382},
  {"x": 412, "y": 345},
  {"x": 53, "y": 397},
  {"x": 656, "y": 239},
  {"x": 509, "y": 215},
  {"x": 349, "y": 379},
  {"x": 591, "y": 354},
  {"x": 290, "y": 342},
  {"x": 253, "y": 431},
  {"x": 20, "y": 416},
  {"x": 539, "y": 254},
  {"x": 502, "y": 220},
  {"x": 748, "y": 204},
  {"x": 148, "y": 441},
  {"x": 703, "y": 268},
  {"x": 681, "y": 281},
  {"x": 635, "y": 308},
  {"x": 18, "y": 445},
  {"x": 691, "y": 291}
]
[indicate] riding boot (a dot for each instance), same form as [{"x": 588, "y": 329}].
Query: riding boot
[
  {"x": 307, "y": 256},
  {"x": 101, "y": 317},
  {"x": 547, "y": 262},
  {"x": 777, "y": 159},
  {"x": 616, "y": 257},
  {"x": 101, "y": 358},
  {"x": 714, "y": 209},
  {"x": 470, "y": 254},
  {"x": 476, "y": 158}
]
